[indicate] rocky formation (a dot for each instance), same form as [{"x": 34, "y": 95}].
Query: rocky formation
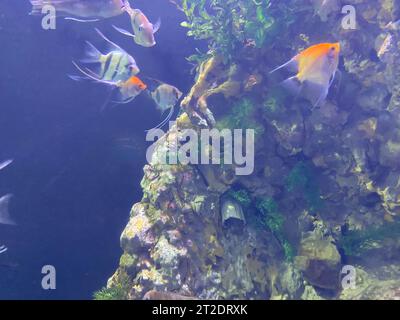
[{"x": 325, "y": 190}]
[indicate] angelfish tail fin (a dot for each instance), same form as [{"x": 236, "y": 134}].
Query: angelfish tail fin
[
  {"x": 157, "y": 25},
  {"x": 316, "y": 93},
  {"x": 37, "y": 6},
  {"x": 293, "y": 85}
]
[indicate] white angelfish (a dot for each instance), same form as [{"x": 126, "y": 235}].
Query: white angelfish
[
  {"x": 143, "y": 29},
  {"x": 116, "y": 65},
  {"x": 166, "y": 97},
  {"x": 82, "y": 10}
]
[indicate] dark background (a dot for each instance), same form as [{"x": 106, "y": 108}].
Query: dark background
[{"x": 76, "y": 171}]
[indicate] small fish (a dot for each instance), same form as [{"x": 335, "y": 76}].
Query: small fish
[
  {"x": 5, "y": 217},
  {"x": 5, "y": 164},
  {"x": 130, "y": 89},
  {"x": 115, "y": 65},
  {"x": 143, "y": 29},
  {"x": 166, "y": 98},
  {"x": 316, "y": 68},
  {"x": 82, "y": 8}
]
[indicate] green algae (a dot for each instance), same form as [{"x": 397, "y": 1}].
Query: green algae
[
  {"x": 229, "y": 25},
  {"x": 242, "y": 196},
  {"x": 271, "y": 218},
  {"x": 356, "y": 243},
  {"x": 242, "y": 115},
  {"x": 303, "y": 178}
]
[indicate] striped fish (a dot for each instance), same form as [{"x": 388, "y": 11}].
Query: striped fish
[{"x": 116, "y": 65}]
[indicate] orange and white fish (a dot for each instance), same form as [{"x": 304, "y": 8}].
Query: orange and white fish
[
  {"x": 316, "y": 68},
  {"x": 82, "y": 8},
  {"x": 130, "y": 89},
  {"x": 143, "y": 29}
]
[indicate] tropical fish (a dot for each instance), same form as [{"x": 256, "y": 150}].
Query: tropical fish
[
  {"x": 166, "y": 97},
  {"x": 143, "y": 30},
  {"x": 115, "y": 65},
  {"x": 96, "y": 9},
  {"x": 316, "y": 68},
  {"x": 130, "y": 89},
  {"x": 5, "y": 163},
  {"x": 4, "y": 213},
  {"x": 126, "y": 90}
]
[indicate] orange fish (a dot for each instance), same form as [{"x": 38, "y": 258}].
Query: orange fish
[
  {"x": 130, "y": 89},
  {"x": 316, "y": 68}
]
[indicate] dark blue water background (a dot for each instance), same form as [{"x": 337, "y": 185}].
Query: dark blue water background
[{"x": 76, "y": 171}]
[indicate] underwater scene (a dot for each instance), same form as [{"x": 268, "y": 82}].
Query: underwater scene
[{"x": 200, "y": 150}]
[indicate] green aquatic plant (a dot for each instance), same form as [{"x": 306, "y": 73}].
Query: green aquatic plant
[
  {"x": 242, "y": 196},
  {"x": 113, "y": 293},
  {"x": 271, "y": 218},
  {"x": 355, "y": 243},
  {"x": 242, "y": 115},
  {"x": 303, "y": 177},
  {"x": 228, "y": 25}
]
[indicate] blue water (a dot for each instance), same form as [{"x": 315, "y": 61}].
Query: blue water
[{"x": 73, "y": 180}]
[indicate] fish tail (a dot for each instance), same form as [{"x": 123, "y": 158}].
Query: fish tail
[
  {"x": 37, "y": 6},
  {"x": 93, "y": 55}
]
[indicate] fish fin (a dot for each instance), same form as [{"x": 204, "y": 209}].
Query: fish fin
[
  {"x": 4, "y": 212},
  {"x": 3, "y": 249},
  {"x": 316, "y": 93},
  {"x": 5, "y": 163},
  {"x": 293, "y": 85},
  {"x": 123, "y": 31},
  {"x": 91, "y": 75},
  {"x": 291, "y": 65},
  {"x": 157, "y": 25},
  {"x": 37, "y": 6},
  {"x": 108, "y": 40},
  {"x": 77, "y": 78},
  {"x": 81, "y": 20},
  {"x": 93, "y": 54},
  {"x": 107, "y": 101},
  {"x": 165, "y": 121}
]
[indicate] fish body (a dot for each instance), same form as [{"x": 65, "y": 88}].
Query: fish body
[
  {"x": 82, "y": 8},
  {"x": 166, "y": 96},
  {"x": 143, "y": 29},
  {"x": 316, "y": 68},
  {"x": 130, "y": 89},
  {"x": 116, "y": 65}
]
